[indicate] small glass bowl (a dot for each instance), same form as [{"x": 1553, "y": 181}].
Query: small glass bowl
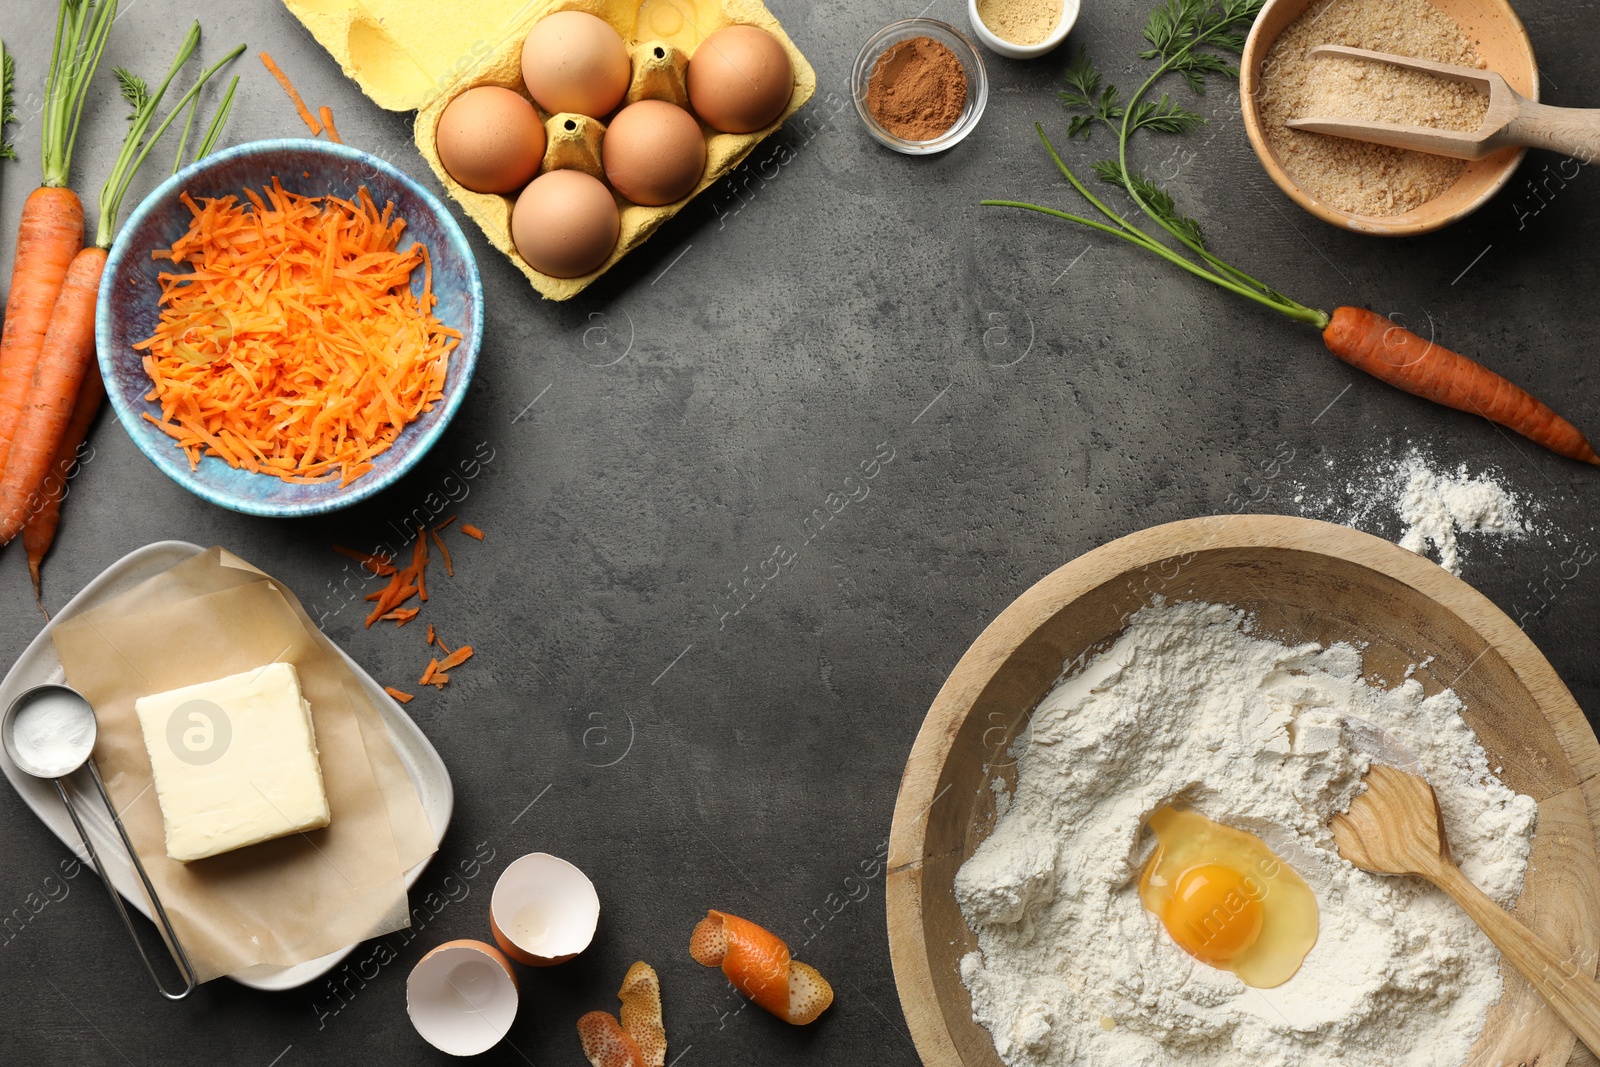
[{"x": 971, "y": 63}]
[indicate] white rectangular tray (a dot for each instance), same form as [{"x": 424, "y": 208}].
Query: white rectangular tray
[{"x": 39, "y": 664}]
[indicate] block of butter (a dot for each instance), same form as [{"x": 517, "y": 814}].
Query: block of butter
[{"x": 234, "y": 760}]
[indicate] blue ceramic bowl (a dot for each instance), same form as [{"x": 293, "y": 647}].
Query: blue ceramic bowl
[{"x": 128, "y": 311}]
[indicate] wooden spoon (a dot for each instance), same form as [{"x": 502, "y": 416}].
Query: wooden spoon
[
  {"x": 1512, "y": 119},
  {"x": 1395, "y": 828}
]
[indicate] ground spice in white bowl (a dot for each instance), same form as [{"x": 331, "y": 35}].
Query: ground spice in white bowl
[
  {"x": 1354, "y": 176},
  {"x": 1021, "y": 21}
]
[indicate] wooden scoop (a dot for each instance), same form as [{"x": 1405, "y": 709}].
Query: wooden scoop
[
  {"x": 1511, "y": 121},
  {"x": 1395, "y": 828}
]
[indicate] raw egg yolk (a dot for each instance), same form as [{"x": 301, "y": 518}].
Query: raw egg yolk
[
  {"x": 1212, "y": 914},
  {"x": 1227, "y": 899}
]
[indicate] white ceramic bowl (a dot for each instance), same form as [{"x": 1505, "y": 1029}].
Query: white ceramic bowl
[{"x": 989, "y": 40}]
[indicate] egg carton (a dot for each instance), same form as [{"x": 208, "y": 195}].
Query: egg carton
[{"x": 409, "y": 54}]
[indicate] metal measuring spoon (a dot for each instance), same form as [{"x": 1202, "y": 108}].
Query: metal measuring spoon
[{"x": 49, "y": 732}]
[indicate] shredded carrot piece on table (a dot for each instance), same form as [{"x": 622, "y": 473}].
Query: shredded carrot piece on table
[
  {"x": 404, "y": 698},
  {"x": 294, "y": 346},
  {"x": 444, "y": 553},
  {"x": 294, "y": 95},
  {"x": 401, "y": 615},
  {"x": 325, "y": 113},
  {"x": 430, "y": 633},
  {"x": 445, "y": 523},
  {"x": 456, "y": 658},
  {"x": 472, "y": 531},
  {"x": 419, "y": 563},
  {"x": 427, "y": 675}
]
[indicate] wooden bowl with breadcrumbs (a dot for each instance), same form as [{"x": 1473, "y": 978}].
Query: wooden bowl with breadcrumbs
[{"x": 1369, "y": 188}]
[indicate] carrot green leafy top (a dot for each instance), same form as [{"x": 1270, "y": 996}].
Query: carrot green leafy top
[{"x": 1191, "y": 38}]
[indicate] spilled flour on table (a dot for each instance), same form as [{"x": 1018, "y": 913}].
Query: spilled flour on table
[
  {"x": 1188, "y": 706},
  {"x": 1435, "y": 508},
  {"x": 1438, "y": 508}
]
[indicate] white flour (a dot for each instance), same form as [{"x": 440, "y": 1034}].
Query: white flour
[
  {"x": 1436, "y": 508},
  {"x": 1188, "y": 707}
]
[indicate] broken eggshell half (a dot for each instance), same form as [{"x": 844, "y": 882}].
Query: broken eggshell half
[
  {"x": 462, "y": 997},
  {"x": 544, "y": 910}
]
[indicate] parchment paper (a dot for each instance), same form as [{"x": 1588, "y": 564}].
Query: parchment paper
[{"x": 281, "y": 902}]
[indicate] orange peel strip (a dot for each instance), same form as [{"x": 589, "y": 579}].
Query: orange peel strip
[
  {"x": 641, "y": 1013},
  {"x": 606, "y": 1043},
  {"x": 757, "y": 962}
]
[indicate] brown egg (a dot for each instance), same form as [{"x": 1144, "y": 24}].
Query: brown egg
[
  {"x": 654, "y": 152},
  {"x": 740, "y": 79},
  {"x": 573, "y": 61},
  {"x": 565, "y": 223},
  {"x": 490, "y": 140}
]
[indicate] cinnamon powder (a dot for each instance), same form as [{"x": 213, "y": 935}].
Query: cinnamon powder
[{"x": 917, "y": 89}]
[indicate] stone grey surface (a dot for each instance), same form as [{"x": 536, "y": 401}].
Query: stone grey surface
[{"x": 1030, "y": 391}]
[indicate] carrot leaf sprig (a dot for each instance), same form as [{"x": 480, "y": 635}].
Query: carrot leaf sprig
[
  {"x": 140, "y": 140},
  {"x": 1193, "y": 39},
  {"x": 82, "y": 28},
  {"x": 8, "y": 96}
]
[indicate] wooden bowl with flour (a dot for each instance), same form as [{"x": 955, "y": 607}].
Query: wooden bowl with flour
[{"x": 1302, "y": 579}]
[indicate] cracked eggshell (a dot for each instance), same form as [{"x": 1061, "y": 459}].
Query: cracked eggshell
[
  {"x": 543, "y": 910},
  {"x": 462, "y": 997}
]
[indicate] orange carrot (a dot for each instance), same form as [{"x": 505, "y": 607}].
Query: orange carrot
[
  {"x": 401, "y": 615},
  {"x": 40, "y": 531},
  {"x": 472, "y": 531},
  {"x": 64, "y": 361},
  {"x": 445, "y": 523},
  {"x": 1372, "y": 343},
  {"x": 50, "y": 233},
  {"x": 430, "y": 633},
  {"x": 324, "y": 354},
  {"x": 427, "y": 675},
  {"x": 456, "y": 658},
  {"x": 444, "y": 553},
  {"x": 380, "y": 565},
  {"x": 68, "y": 348},
  {"x": 404, "y": 698},
  {"x": 48, "y": 240},
  {"x": 326, "y": 114},
  {"x": 419, "y": 564},
  {"x": 294, "y": 95}
]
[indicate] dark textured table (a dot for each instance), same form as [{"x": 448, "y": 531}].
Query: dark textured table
[{"x": 1021, "y": 391}]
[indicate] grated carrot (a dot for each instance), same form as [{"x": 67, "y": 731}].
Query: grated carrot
[
  {"x": 294, "y": 345},
  {"x": 456, "y": 658},
  {"x": 445, "y": 523},
  {"x": 404, "y": 698},
  {"x": 444, "y": 553},
  {"x": 294, "y": 95},
  {"x": 326, "y": 114},
  {"x": 401, "y": 615},
  {"x": 472, "y": 531},
  {"x": 430, "y": 633},
  {"x": 439, "y": 680},
  {"x": 427, "y": 675},
  {"x": 419, "y": 564}
]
